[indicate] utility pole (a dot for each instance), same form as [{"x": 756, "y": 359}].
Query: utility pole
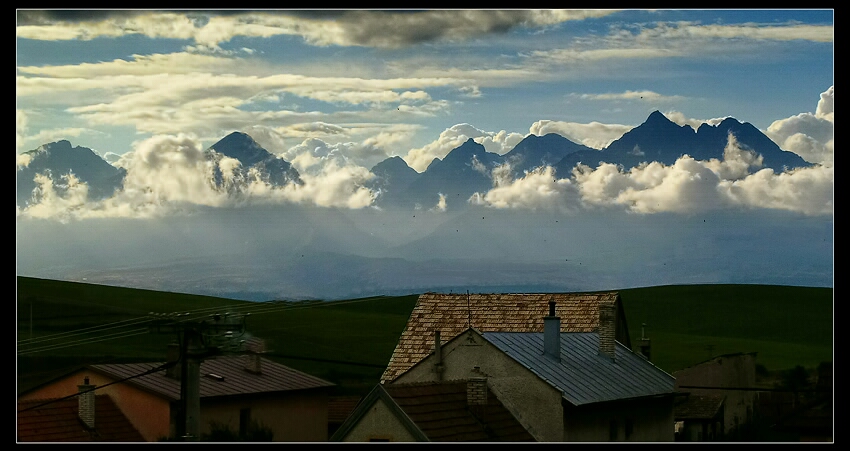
[{"x": 199, "y": 339}]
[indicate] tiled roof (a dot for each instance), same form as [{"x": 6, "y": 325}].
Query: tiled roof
[
  {"x": 441, "y": 412},
  {"x": 340, "y": 407},
  {"x": 697, "y": 407},
  {"x": 230, "y": 377},
  {"x": 47, "y": 420},
  {"x": 583, "y": 375},
  {"x": 452, "y": 314}
]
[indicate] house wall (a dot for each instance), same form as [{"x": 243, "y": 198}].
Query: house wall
[
  {"x": 737, "y": 371},
  {"x": 379, "y": 423},
  {"x": 535, "y": 404},
  {"x": 647, "y": 420},
  {"x": 292, "y": 417},
  {"x": 150, "y": 413}
]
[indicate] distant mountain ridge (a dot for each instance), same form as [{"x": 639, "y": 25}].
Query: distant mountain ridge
[
  {"x": 464, "y": 171},
  {"x": 60, "y": 158}
]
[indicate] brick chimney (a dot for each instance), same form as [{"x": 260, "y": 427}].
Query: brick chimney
[
  {"x": 552, "y": 334},
  {"x": 255, "y": 348},
  {"x": 173, "y": 355},
  {"x": 438, "y": 355},
  {"x": 86, "y": 402},
  {"x": 607, "y": 328},
  {"x": 476, "y": 391}
]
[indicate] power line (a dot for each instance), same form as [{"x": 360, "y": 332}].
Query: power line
[
  {"x": 87, "y": 341},
  {"x": 186, "y": 316}
]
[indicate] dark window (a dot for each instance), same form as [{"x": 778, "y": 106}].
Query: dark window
[
  {"x": 612, "y": 430},
  {"x": 244, "y": 420},
  {"x": 376, "y": 439},
  {"x": 630, "y": 426}
]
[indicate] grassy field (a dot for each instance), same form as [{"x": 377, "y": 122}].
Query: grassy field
[{"x": 64, "y": 324}]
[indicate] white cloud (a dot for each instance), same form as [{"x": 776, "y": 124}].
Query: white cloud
[
  {"x": 688, "y": 186},
  {"x": 496, "y": 142},
  {"x": 810, "y": 135},
  {"x": 362, "y": 28},
  {"x": 594, "y": 134},
  {"x": 538, "y": 189}
]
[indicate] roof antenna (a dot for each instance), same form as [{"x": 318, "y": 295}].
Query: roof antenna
[{"x": 468, "y": 311}]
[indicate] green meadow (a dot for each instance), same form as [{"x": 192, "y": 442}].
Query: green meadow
[{"x": 62, "y": 325}]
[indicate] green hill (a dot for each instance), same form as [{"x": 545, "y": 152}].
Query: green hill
[{"x": 65, "y": 324}]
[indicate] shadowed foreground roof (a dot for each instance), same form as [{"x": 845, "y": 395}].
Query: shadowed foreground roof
[
  {"x": 439, "y": 412},
  {"x": 452, "y": 314},
  {"x": 220, "y": 376},
  {"x": 697, "y": 407},
  {"x": 58, "y": 421}
]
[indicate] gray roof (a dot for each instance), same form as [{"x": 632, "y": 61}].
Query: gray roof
[
  {"x": 233, "y": 378},
  {"x": 583, "y": 375}
]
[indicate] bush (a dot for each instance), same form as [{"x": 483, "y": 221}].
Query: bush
[{"x": 256, "y": 432}]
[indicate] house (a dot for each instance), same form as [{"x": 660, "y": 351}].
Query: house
[
  {"x": 452, "y": 314},
  {"x": 236, "y": 391},
  {"x": 85, "y": 417},
  {"x": 699, "y": 418},
  {"x": 578, "y": 385},
  {"x": 444, "y": 411},
  {"x": 730, "y": 375}
]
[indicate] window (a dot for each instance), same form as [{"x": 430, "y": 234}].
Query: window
[
  {"x": 630, "y": 426},
  {"x": 612, "y": 430}
]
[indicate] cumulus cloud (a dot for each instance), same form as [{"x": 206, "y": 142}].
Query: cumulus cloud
[
  {"x": 173, "y": 175},
  {"x": 496, "y": 142},
  {"x": 538, "y": 189},
  {"x": 594, "y": 134},
  {"x": 810, "y": 135},
  {"x": 680, "y": 119},
  {"x": 313, "y": 151},
  {"x": 688, "y": 186}
]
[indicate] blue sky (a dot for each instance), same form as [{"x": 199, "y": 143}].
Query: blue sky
[
  {"x": 337, "y": 91},
  {"x": 109, "y": 79}
]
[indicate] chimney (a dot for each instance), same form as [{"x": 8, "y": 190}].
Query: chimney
[
  {"x": 173, "y": 355},
  {"x": 607, "y": 316},
  {"x": 552, "y": 334},
  {"x": 255, "y": 348},
  {"x": 644, "y": 343},
  {"x": 438, "y": 355},
  {"x": 476, "y": 391},
  {"x": 86, "y": 402}
]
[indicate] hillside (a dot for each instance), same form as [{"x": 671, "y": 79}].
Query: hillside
[{"x": 349, "y": 342}]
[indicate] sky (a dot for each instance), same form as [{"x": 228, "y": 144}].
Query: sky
[{"x": 335, "y": 92}]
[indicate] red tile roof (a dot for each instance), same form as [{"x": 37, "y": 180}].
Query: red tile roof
[
  {"x": 340, "y": 407},
  {"x": 697, "y": 407},
  {"x": 442, "y": 412},
  {"x": 452, "y": 314},
  {"x": 234, "y": 378},
  {"x": 58, "y": 421}
]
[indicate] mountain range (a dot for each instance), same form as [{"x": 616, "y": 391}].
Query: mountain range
[
  {"x": 296, "y": 251},
  {"x": 464, "y": 171}
]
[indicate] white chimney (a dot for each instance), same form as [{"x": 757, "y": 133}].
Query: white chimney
[
  {"x": 552, "y": 334},
  {"x": 173, "y": 355},
  {"x": 607, "y": 328},
  {"x": 255, "y": 348},
  {"x": 476, "y": 391},
  {"x": 86, "y": 402}
]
